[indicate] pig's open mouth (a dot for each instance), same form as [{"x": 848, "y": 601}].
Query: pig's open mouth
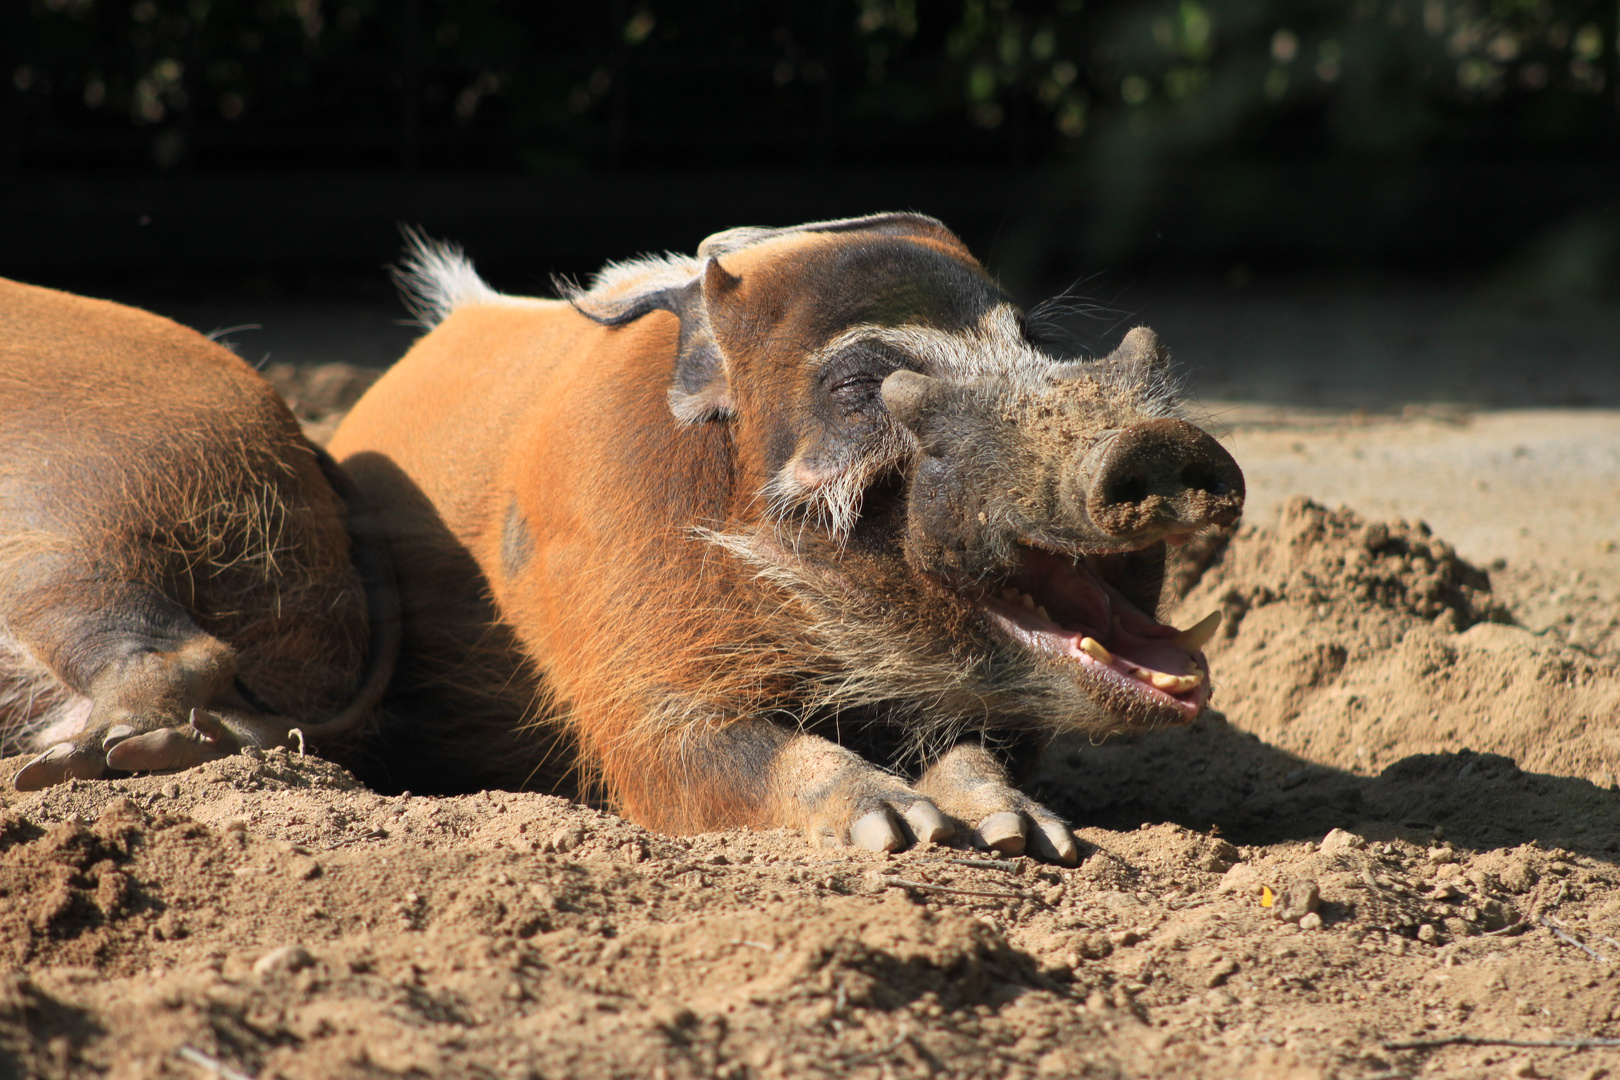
[{"x": 1065, "y": 607}]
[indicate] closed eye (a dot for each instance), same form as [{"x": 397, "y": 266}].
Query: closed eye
[
  {"x": 852, "y": 381},
  {"x": 858, "y": 383}
]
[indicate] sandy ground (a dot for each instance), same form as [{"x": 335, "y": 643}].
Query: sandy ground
[{"x": 1391, "y": 854}]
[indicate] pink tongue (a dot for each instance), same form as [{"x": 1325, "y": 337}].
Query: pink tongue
[
  {"x": 1090, "y": 605},
  {"x": 1139, "y": 639},
  {"x": 1152, "y": 653}
]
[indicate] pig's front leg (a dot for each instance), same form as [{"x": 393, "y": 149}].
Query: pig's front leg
[
  {"x": 752, "y": 772},
  {"x": 969, "y": 784}
]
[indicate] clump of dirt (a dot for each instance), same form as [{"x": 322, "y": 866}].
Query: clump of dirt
[
  {"x": 320, "y": 395},
  {"x": 73, "y": 874},
  {"x": 1403, "y": 829},
  {"x": 1355, "y": 644},
  {"x": 320, "y": 931},
  {"x": 1311, "y": 556}
]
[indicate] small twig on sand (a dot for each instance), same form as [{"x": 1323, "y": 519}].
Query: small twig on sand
[
  {"x": 903, "y": 883},
  {"x": 370, "y": 834},
  {"x": 1475, "y": 1040},
  {"x": 873, "y": 1055},
  {"x": 1568, "y": 939},
  {"x": 299, "y": 733},
  {"x": 986, "y": 864},
  {"x": 213, "y": 1065}
]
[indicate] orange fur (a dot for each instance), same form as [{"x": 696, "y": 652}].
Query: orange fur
[
  {"x": 141, "y": 462},
  {"x": 657, "y": 542},
  {"x": 507, "y": 405}
]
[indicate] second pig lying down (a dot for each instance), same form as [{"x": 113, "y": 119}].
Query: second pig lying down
[
  {"x": 177, "y": 577},
  {"x": 796, "y": 532}
]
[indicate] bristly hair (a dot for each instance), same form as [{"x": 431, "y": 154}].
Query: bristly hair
[
  {"x": 435, "y": 277},
  {"x": 617, "y": 293},
  {"x": 1050, "y": 324}
]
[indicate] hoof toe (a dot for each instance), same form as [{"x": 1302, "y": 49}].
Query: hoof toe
[
  {"x": 1003, "y": 832},
  {"x": 1054, "y": 843},
  {"x": 876, "y": 831},
  {"x": 160, "y": 751},
  {"x": 116, "y": 735},
  {"x": 60, "y": 763},
  {"x": 927, "y": 824}
]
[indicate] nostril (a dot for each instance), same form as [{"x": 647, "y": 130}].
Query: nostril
[
  {"x": 1160, "y": 474},
  {"x": 1196, "y": 476},
  {"x": 1126, "y": 490}
]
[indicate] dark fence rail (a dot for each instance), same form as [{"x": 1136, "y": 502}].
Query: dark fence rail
[
  {"x": 1059, "y": 136},
  {"x": 1035, "y": 226}
]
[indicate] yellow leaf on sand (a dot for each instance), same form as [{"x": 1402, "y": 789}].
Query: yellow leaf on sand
[{"x": 1267, "y": 897}]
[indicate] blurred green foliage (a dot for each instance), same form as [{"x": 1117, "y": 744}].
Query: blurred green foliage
[{"x": 509, "y": 85}]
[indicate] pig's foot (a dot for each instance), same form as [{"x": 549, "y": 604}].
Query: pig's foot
[
  {"x": 142, "y": 717},
  {"x": 136, "y": 655},
  {"x": 209, "y": 736},
  {"x": 838, "y": 798},
  {"x": 84, "y": 758},
  {"x": 969, "y": 784},
  {"x": 138, "y": 744}
]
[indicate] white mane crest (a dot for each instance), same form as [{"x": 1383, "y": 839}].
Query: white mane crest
[{"x": 619, "y": 284}]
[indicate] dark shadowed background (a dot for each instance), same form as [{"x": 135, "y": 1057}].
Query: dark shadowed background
[{"x": 1346, "y": 203}]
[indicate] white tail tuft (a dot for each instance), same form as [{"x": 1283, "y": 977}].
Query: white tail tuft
[{"x": 436, "y": 278}]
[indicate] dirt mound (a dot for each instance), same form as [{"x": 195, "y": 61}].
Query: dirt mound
[
  {"x": 320, "y": 931},
  {"x": 1393, "y": 836},
  {"x": 1312, "y": 556},
  {"x": 1355, "y": 644}
]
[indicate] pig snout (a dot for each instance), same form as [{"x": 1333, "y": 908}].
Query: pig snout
[{"x": 1158, "y": 477}]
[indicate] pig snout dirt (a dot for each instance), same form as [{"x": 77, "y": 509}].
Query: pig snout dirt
[{"x": 1164, "y": 476}]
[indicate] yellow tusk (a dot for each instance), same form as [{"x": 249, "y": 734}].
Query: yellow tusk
[
  {"x": 1195, "y": 637},
  {"x": 1174, "y": 684},
  {"x": 1094, "y": 649}
]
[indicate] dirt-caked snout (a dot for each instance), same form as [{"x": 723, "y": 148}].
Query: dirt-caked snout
[
  {"x": 1044, "y": 500},
  {"x": 1156, "y": 478},
  {"x": 1063, "y": 464}
]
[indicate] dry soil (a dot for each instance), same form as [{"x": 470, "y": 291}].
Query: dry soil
[{"x": 1392, "y": 853}]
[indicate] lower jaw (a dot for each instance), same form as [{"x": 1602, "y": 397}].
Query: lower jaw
[
  {"x": 1148, "y": 706},
  {"x": 1145, "y": 707}
]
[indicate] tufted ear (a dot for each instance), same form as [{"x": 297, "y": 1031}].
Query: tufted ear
[
  {"x": 1141, "y": 353},
  {"x": 700, "y": 389},
  {"x": 917, "y": 226}
]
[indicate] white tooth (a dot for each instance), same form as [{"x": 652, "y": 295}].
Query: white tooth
[
  {"x": 1027, "y": 600},
  {"x": 1195, "y": 637},
  {"x": 1094, "y": 649},
  {"x": 1174, "y": 684},
  {"x": 1040, "y": 609}
]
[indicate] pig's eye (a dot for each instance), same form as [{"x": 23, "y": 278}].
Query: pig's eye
[
  {"x": 856, "y": 384},
  {"x": 853, "y": 380},
  {"x": 857, "y": 393}
]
